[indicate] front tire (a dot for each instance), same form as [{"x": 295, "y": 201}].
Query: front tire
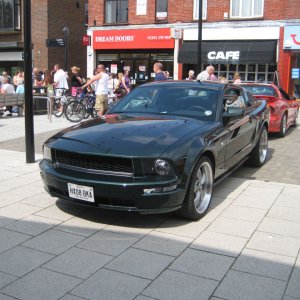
[
  {"x": 259, "y": 152},
  {"x": 75, "y": 111},
  {"x": 199, "y": 192},
  {"x": 283, "y": 125}
]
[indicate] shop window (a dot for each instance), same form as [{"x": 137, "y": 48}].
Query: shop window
[
  {"x": 247, "y": 8},
  {"x": 196, "y": 10},
  {"x": 10, "y": 15},
  {"x": 161, "y": 8},
  {"x": 116, "y": 11}
]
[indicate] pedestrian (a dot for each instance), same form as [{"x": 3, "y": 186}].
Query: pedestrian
[
  {"x": 60, "y": 80},
  {"x": 222, "y": 78},
  {"x": 76, "y": 81},
  {"x": 48, "y": 83},
  {"x": 159, "y": 73},
  {"x": 6, "y": 87},
  {"x": 125, "y": 83},
  {"x": 101, "y": 79},
  {"x": 206, "y": 74},
  {"x": 237, "y": 78},
  {"x": 191, "y": 75}
]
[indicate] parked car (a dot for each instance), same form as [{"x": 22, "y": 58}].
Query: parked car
[
  {"x": 160, "y": 149},
  {"x": 283, "y": 109}
]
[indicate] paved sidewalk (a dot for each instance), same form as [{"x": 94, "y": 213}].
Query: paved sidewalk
[{"x": 246, "y": 247}]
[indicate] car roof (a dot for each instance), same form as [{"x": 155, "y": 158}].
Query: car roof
[{"x": 188, "y": 83}]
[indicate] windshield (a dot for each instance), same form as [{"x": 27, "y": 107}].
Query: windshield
[
  {"x": 192, "y": 102},
  {"x": 261, "y": 90}
]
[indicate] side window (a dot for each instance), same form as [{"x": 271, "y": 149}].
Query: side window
[{"x": 234, "y": 98}]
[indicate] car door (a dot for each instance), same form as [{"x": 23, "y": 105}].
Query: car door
[
  {"x": 292, "y": 106},
  {"x": 240, "y": 129}
]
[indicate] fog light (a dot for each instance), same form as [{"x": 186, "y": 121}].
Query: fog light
[
  {"x": 162, "y": 167},
  {"x": 47, "y": 153},
  {"x": 160, "y": 189}
]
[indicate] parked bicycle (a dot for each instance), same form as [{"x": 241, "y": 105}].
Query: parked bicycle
[
  {"x": 82, "y": 107},
  {"x": 60, "y": 101}
]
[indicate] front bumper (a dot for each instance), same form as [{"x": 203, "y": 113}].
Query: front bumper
[{"x": 116, "y": 195}]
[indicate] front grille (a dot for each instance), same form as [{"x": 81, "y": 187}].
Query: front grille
[{"x": 94, "y": 162}]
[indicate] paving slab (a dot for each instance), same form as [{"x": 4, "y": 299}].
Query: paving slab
[
  {"x": 140, "y": 263},
  {"x": 279, "y": 226},
  {"x": 163, "y": 243},
  {"x": 108, "y": 242},
  {"x": 78, "y": 263},
  {"x": 274, "y": 243},
  {"x": 204, "y": 264},
  {"x": 239, "y": 285},
  {"x": 53, "y": 241},
  {"x": 293, "y": 289},
  {"x": 244, "y": 213},
  {"x": 10, "y": 239},
  {"x": 182, "y": 227},
  {"x": 173, "y": 285},
  {"x": 6, "y": 279},
  {"x": 234, "y": 227},
  {"x": 32, "y": 225},
  {"x": 110, "y": 285},
  {"x": 265, "y": 264},
  {"x": 41, "y": 284},
  {"x": 219, "y": 243},
  {"x": 285, "y": 213},
  {"x": 20, "y": 260}
]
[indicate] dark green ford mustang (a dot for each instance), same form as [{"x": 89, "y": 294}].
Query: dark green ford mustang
[{"x": 162, "y": 148}]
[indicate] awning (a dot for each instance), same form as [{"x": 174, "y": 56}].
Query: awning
[{"x": 229, "y": 52}]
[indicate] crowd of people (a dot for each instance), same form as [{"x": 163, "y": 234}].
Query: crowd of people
[{"x": 105, "y": 85}]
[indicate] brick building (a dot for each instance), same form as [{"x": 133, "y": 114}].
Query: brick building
[
  {"x": 49, "y": 17},
  {"x": 245, "y": 36}
]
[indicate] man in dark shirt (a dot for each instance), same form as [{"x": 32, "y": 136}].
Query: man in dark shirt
[{"x": 159, "y": 73}]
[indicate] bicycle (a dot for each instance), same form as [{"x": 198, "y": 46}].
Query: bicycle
[
  {"x": 82, "y": 107},
  {"x": 60, "y": 101}
]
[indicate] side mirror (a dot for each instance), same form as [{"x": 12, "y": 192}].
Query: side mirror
[{"x": 234, "y": 112}]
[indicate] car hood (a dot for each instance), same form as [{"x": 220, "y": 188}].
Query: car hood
[{"x": 126, "y": 135}]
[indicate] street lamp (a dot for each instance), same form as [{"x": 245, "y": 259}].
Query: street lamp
[
  {"x": 199, "y": 60},
  {"x": 66, "y": 32},
  {"x": 29, "y": 124}
]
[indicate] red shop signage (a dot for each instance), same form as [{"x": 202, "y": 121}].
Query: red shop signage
[
  {"x": 133, "y": 39},
  {"x": 86, "y": 40}
]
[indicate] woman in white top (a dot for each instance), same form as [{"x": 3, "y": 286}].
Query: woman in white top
[{"x": 6, "y": 87}]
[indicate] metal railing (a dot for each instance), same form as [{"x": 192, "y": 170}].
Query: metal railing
[{"x": 49, "y": 105}]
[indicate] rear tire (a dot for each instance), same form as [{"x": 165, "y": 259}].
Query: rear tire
[
  {"x": 58, "y": 108},
  {"x": 199, "y": 192},
  {"x": 75, "y": 111},
  {"x": 259, "y": 153},
  {"x": 283, "y": 126}
]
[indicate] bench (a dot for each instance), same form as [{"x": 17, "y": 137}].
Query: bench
[{"x": 12, "y": 100}]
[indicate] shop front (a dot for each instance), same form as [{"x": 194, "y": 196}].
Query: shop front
[
  {"x": 11, "y": 58},
  {"x": 253, "y": 60},
  {"x": 251, "y": 49},
  {"x": 135, "y": 50},
  {"x": 291, "y": 56}
]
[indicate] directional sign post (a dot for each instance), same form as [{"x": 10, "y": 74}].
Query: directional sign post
[{"x": 55, "y": 43}]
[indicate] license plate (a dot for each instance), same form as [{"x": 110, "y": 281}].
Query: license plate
[{"x": 81, "y": 192}]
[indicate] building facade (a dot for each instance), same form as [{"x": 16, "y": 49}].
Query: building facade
[
  {"x": 51, "y": 20},
  {"x": 245, "y": 36}
]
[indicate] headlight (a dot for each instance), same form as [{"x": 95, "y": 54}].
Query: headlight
[
  {"x": 47, "y": 153},
  {"x": 162, "y": 167}
]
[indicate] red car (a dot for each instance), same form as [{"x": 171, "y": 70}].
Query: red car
[{"x": 284, "y": 110}]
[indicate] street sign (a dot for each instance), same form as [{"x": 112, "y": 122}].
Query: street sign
[
  {"x": 295, "y": 73},
  {"x": 52, "y": 43}
]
